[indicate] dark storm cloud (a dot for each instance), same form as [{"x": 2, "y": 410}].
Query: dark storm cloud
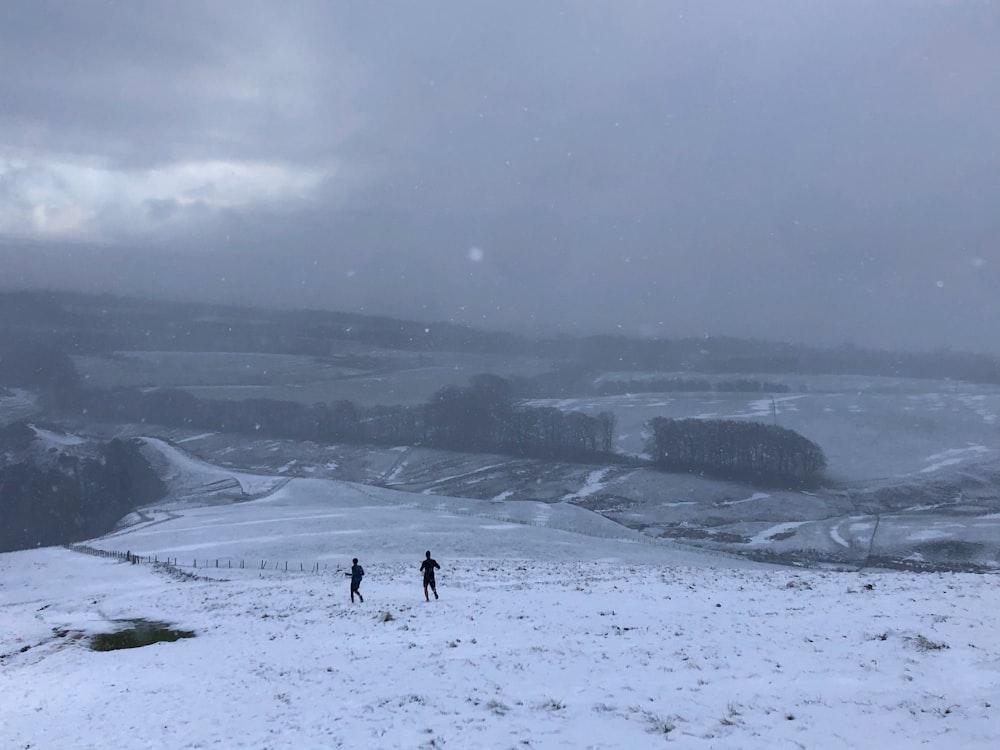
[{"x": 816, "y": 171}]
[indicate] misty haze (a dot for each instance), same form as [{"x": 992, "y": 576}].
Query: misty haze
[{"x": 670, "y": 328}]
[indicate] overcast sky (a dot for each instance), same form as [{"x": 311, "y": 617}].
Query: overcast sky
[{"x": 824, "y": 171}]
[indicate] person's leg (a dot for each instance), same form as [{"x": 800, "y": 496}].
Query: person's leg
[
  {"x": 434, "y": 588},
  {"x": 426, "y": 595}
]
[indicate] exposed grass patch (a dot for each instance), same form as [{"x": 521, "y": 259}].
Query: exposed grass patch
[
  {"x": 141, "y": 633},
  {"x": 498, "y": 707},
  {"x": 553, "y": 704},
  {"x": 923, "y": 643}
]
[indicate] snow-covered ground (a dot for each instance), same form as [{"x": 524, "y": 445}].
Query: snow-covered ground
[{"x": 555, "y": 629}]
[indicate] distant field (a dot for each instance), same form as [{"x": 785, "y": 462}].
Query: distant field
[
  {"x": 870, "y": 428},
  {"x": 364, "y": 375},
  {"x": 176, "y": 369}
]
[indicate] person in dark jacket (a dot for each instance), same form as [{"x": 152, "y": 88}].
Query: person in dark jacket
[
  {"x": 428, "y": 566},
  {"x": 356, "y": 574}
]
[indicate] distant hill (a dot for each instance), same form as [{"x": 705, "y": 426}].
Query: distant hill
[
  {"x": 87, "y": 324},
  {"x": 57, "y": 488}
]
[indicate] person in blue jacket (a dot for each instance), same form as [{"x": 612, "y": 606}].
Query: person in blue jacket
[{"x": 356, "y": 574}]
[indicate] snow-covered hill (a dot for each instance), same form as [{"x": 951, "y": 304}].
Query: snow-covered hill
[{"x": 556, "y": 628}]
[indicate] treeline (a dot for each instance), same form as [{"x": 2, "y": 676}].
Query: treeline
[
  {"x": 487, "y": 416},
  {"x": 732, "y": 449},
  {"x": 51, "y": 499},
  {"x": 483, "y": 417},
  {"x": 691, "y": 385}
]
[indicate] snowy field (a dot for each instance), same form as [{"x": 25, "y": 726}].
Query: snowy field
[
  {"x": 945, "y": 517},
  {"x": 870, "y": 428},
  {"x": 555, "y": 629}
]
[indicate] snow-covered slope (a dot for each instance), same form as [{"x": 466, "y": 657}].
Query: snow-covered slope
[
  {"x": 190, "y": 480},
  {"x": 555, "y": 629}
]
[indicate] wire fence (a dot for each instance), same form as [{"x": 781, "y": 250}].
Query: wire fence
[{"x": 218, "y": 563}]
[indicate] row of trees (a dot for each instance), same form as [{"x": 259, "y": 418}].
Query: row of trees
[
  {"x": 693, "y": 385},
  {"x": 48, "y": 500},
  {"x": 482, "y": 417},
  {"x": 738, "y": 450},
  {"x": 487, "y": 415}
]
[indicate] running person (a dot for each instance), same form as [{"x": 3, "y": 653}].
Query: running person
[
  {"x": 356, "y": 574},
  {"x": 428, "y": 566}
]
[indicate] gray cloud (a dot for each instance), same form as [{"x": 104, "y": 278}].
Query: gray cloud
[{"x": 814, "y": 171}]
